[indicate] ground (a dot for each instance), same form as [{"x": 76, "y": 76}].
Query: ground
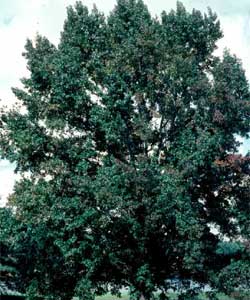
[{"x": 125, "y": 296}]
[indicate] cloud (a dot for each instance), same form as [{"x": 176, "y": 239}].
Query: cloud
[
  {"x": 8, "y": 19},
  {"x": 244, "y": 148},
  {"x": 246, "y": 29},
  {"x": 222, "y": 7},
  {"x": 7, "y": 180}
]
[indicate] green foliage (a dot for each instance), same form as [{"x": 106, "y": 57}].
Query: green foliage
[
  {"x": 127, "y": 153},
  {"x": 8, "y": 264},
  {"x": 229, "y": 248}
]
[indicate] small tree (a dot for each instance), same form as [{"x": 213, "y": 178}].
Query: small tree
[{"x": 128, "y": 152}]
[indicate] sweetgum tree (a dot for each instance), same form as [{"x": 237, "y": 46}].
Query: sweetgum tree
[{"x": 125, "y": 137}]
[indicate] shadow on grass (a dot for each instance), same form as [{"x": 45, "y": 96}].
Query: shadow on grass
[{"x": 173, "y": 296}]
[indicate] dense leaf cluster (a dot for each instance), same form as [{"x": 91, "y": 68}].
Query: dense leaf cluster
[{"x": 126, "y": 143}]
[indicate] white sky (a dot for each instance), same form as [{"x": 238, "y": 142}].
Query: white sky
[{"x": 21, "y": 19}]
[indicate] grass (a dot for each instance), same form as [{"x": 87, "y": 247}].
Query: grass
[
  {"x": 172, "y": 296},
  {"x": 111, "y": 297}
]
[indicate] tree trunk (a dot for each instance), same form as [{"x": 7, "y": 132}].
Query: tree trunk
[{"x": 143, "y": 297}]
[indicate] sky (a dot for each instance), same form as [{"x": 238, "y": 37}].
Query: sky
[{"x": 22, "y": 19}]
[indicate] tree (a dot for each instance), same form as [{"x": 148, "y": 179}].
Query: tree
[
  {"x": 128, "y": 154},
  {"x": 8, "y": 261}
]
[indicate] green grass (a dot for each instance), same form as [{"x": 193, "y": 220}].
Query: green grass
[
  {"x": 124, "y": 296},
  {"x": 111, "y": 297},
  {"x": 220, "y": 297},
  {"x": 172, "y": 296}
]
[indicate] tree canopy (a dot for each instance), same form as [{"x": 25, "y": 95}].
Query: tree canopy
[
  {"x": 124, "y": 135},
  {"x": 8, "y": 271}
]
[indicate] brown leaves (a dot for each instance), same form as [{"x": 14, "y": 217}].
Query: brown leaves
[
  {"x": 233, "y": 161},
  {"x": 218, "y": 117}
]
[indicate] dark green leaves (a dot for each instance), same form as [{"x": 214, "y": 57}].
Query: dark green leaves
[{"x": 126, "y": 147}]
